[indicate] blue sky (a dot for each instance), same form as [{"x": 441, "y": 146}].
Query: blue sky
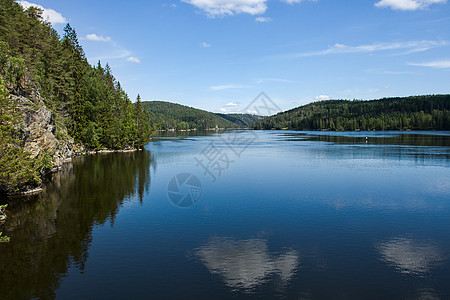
[{"x": 219, "y": 55}]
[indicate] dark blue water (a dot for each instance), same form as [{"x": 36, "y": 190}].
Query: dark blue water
[{"x": 241, "y": 215}]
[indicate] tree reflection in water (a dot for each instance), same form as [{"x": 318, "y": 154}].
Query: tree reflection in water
[{"x": 51, "y": 231}]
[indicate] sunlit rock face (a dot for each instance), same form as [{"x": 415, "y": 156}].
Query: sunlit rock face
[
  {"x": 246, "y": 264},
  {"x": 38, "y": 134},
  {"x": 410, "y": 256}
]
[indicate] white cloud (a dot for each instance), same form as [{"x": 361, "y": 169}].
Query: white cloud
[
  {"x": 97, "y": 38},
  {"x": 439, "y": 64},
  {"x": 263, "y": 19},
  {"x": 230, "y": 108},
  {"x": 323, "y": 97},
  {"x": 411, "y": 47},
  {"x": 408, "y": 4},
  {"x": 133, "y": 60},
  {"x": 227, "y": 87},
  {"x": 215, "y": 8},
  {"x": 339, "y": 46},
  {"x": 218, "y": 8},
  {"x": 48, "y": 14},
  {"x": 250, "y": 112},
  {"x": 205, "y": 45}
]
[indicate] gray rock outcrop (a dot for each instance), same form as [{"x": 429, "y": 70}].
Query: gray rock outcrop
[{"x": 38, "y": 131}]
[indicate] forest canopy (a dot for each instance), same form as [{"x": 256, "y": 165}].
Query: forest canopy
[
  {"x": 168, "y": 115},
  {"x": 409, "y": 113}
]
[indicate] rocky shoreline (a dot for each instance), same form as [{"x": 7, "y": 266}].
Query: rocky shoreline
[{"x": 41, "y": 135}]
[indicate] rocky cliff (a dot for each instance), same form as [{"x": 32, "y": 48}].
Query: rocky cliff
[{"x": 38, "y": 131}]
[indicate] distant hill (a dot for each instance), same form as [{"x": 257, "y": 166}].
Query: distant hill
[
  {"x": 180, "y": 117},
  {"x": 242, "y": 120},
  {"x": 409, "y": 113}
]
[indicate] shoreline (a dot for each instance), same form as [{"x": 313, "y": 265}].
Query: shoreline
[
  {"x": 356, "y": 130},
  {"x": 37, "y": 190},
  {"x": 103, "y": 152}
]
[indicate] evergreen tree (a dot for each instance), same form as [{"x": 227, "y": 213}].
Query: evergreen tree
[
  {"x": 142, "y": 124},
  {"x": 76, "y": 66}
]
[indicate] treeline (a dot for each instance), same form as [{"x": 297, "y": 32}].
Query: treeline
[
  {"x": 86, "y": 100},
  {"x": 168, "y": 115},
  {"x": 410, "y": 113},
  {"x": 242, "y": 120}
]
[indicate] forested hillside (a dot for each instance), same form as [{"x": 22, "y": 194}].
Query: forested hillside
[
  {"x": 410, "y": 113},
  {"x": 169, "y": 115},
  {"x": 88, "y": 105},
  {"x": 242, "y": 120}
]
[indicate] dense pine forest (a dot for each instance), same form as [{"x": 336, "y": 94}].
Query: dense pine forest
[
  {"x": 410, "y": 113},
  {"x": 242, "y": 120},
  {"x": 168, "y": 115},
  {"x": 88, "y": 105}
]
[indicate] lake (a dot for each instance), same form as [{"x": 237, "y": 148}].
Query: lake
[{"x": 240, "y": 215}]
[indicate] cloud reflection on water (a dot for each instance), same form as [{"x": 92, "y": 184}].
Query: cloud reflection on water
[
  {"x": 410, "y": 256},
  {"x": 246, "y": 264}
]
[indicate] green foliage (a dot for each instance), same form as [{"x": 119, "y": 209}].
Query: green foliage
[
  {"x": 4, "y": 239},
  {"x": 15, "y": 72},
  {"x": 411, "y": 113},
  {"x": 12, "y": 68},
  {"x": 175, "y": 116},
  {"x": 17, "y": 169},
  {"x": 111, "y": 119},
  {"x": 2, "y": 210},
  {"x": 143, "y": 130},
  {"x": 242, "y": 120},
  {"x": 4, "y": 54},
  {"x": 45, "y": 162}
]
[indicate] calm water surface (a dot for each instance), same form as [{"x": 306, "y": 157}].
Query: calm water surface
[{"x": 253, "y": 215}]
